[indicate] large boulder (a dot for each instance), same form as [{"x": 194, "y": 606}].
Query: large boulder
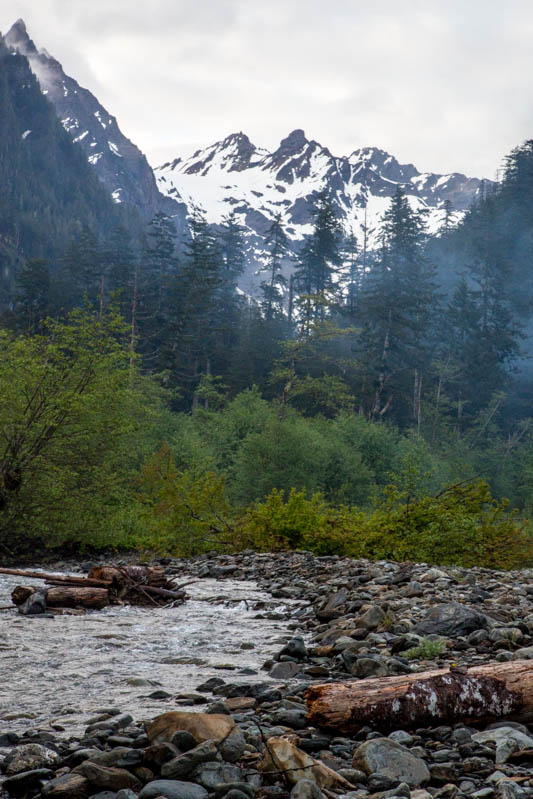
[
  {"x": 30, "y": 757},
  {"x": 284, "y": 756},
  {"x": 451, "y": 620},
  {"x": 202, "y": 726},
  {"x": 384, "y": 756},
  {"x": 502, "y": 734}
]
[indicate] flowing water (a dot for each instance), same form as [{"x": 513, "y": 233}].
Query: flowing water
[{"x": 55, "y": 673}]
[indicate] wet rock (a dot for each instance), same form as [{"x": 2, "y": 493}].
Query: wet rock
[
  {"x": 35, "y": 604},
  {"x": 294, "y": 649},
  {"x": 209, "y": 775},
  {"x": 26, "y": 781},
  {"x": 306, "y": 789},
  {"x": 109, "y": 777},
  {"x": 383, "y": 756},
  {"x": 68, "y": 786},
  {"x": 183, "y": 765},
  {"x": 284, "y": 671},
  {"x": 30, "y": 757},
  {"x": 451, "y": 620},
  {"x": 233, "y": 746},
  {"x": 334, "y": 607},
  {"x": 173, "y": 789}
]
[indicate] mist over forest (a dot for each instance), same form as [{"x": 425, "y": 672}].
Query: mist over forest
[{"x": 149, "y": 400}]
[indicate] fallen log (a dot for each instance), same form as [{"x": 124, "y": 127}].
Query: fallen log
[
  {"x": 483, "y": 693},
  {"x": 58, "y": 579},
  {"x": 65, "y": 596},
  {"x": 76, "y": 597},
  {"x": 147, "y": 575}
]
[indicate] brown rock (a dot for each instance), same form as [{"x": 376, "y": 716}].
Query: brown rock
[
  {"x": 109, "y": 778},
  {"x": 69, "y": 786},
  {"x": 202, "y": 726},
  {"x": 240, "y": 703}
]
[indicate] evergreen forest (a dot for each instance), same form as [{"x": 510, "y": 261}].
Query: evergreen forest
[{"x": 374, "y": 403}]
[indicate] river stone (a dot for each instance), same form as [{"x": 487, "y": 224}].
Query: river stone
[
  {"x": 295, "y": 648},
  {"x": 373, "y": 617},
  {"x": 451, "y": 620},
  {"x": 306, "y": 789},
  {"x": 172, "y": 789},
  {"x": 212, "y": 774},
  {"x": 182, "y": 765},
  {"x": 285, "y": 670},
  {"x": 334, "y": 607},
  {"x": 26, "y": 781},
  {"x": 383, "y": 756},
  {"x": 525, "y": 653},
  {"x": 30, "y": 757},
  {"x": 202, "y": 726},
  {"x": 35, "y": 603},
  {"x": 232, "y": 748},
  {"x": 369, "y": 666},
  {"x": 69, "y": 786},
  {"x": 109, "y": 777},
  {"x": 500, "y": 734}
]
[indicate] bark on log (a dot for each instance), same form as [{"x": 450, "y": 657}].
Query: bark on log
[
  {"x": 57, "y": 578},
  {"x": 72, "y": 597},
  {"x": 20, "y": 594},
  {"x": 483, "y": 693},
  {"x": 147, "y": 575}
]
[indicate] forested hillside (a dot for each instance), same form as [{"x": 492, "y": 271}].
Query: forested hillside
[
  {"x": 49, "y": 194},
  {"x": 375, "y": 403}
]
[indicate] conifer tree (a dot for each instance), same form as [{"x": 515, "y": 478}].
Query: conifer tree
[
  {"x": 277, "y": 245},
  {"x": 318, "y": 264}
]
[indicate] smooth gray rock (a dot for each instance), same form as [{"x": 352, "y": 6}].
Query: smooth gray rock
[
  {"x": 372, "y": 619},
  {"x": 500, "y": 734},
  {"x": 306, "y": 789},
  {"x": 232, "y": 748},
  {"x": 451, "y": 620},
  {"x": 209, "y": 775},
  {"x": 285, "y": 670},
  {"x": 294, "y": 649},
  {"x": 388, "y": 758},
  {"x": 172, "y": 789},
  {"x": 183, "y": 765}
]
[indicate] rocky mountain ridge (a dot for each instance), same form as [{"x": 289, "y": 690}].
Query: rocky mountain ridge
[
  {"x": 119, "y": 163},
  {"x": 236, "y": 175}
]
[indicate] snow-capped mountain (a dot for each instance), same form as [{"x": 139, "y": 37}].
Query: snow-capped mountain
[
  {"x": 119, "y": 164},
  {"x": 235, "y": 175}
]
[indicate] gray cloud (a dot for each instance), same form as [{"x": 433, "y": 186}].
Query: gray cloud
[{"x": 444, "y": 85}]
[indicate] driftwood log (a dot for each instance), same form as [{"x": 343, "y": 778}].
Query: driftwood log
[
  {"x": 65, "y": 596},
  {"x": 483, "y": 693},
  {"x": 105, "y": 585}
]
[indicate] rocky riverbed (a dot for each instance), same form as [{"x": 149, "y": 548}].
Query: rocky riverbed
[{"x": 78, "y": 693}]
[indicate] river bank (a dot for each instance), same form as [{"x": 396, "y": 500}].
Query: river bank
[{"x": 257, "y": 632}]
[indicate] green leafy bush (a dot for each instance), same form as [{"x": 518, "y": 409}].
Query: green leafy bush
[{"x": 426, "y": 650}]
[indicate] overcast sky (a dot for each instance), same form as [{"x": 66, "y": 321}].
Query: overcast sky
[{"x": 444, "y": 84}]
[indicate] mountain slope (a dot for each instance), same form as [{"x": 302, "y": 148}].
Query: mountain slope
[
  {"x": 49, "y": 192},
  {"x": 119, "y": 164},
  {"x": 236, "y": 175}
]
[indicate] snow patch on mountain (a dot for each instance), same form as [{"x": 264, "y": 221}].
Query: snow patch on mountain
[{"x": 235, "y": 175}]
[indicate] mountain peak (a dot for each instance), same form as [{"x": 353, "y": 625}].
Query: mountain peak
[
  {"x": 294, "y": 142},
  {"x": 17, "y": 37}
]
